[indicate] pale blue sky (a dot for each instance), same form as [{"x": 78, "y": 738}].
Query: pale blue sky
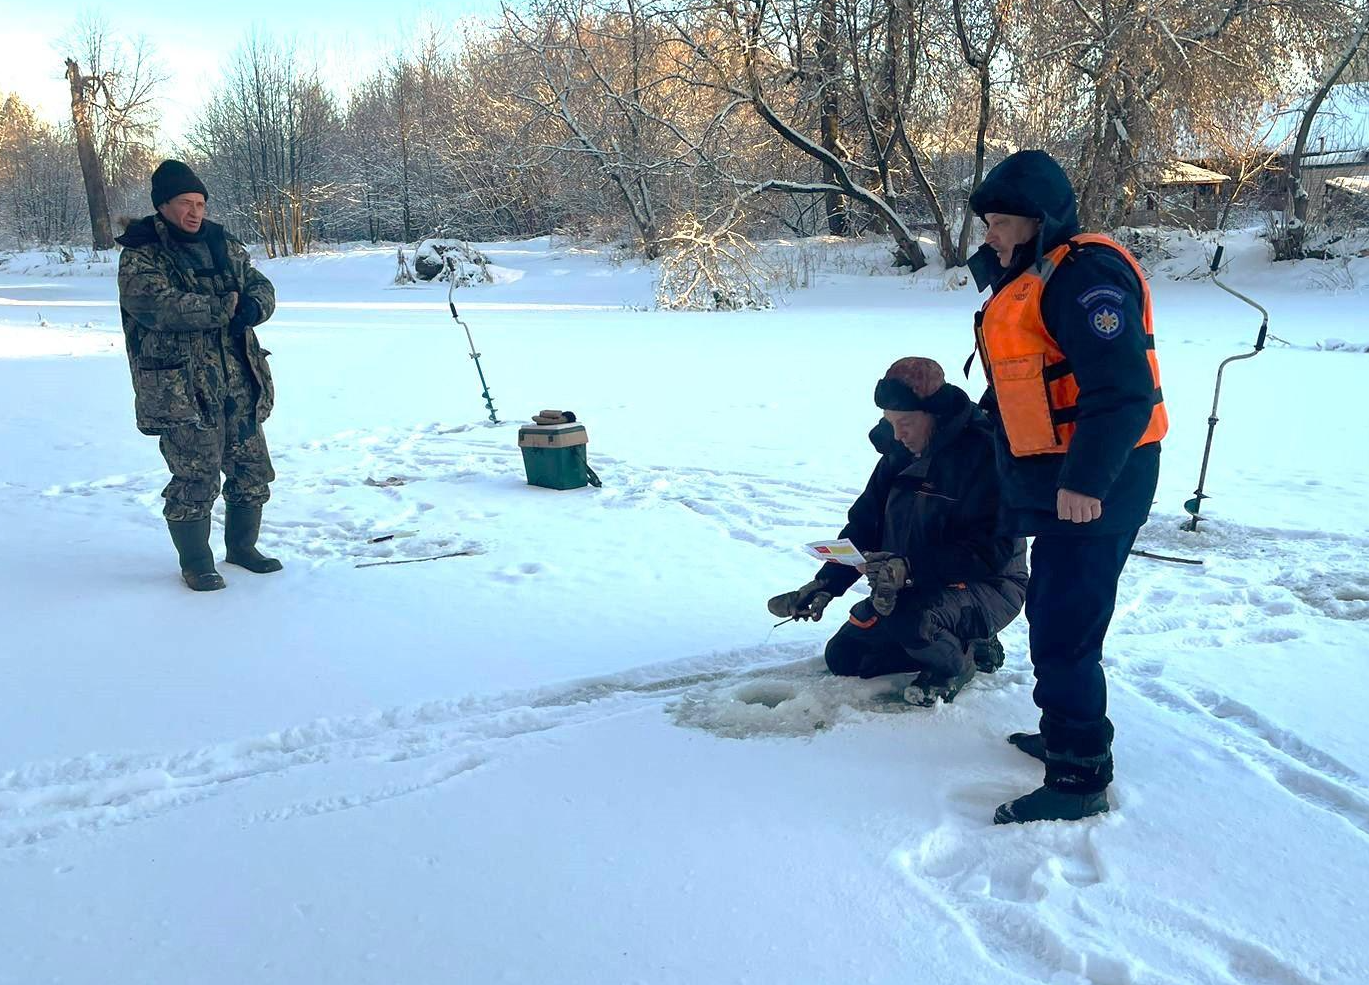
[{"x": 349, "y": 38}]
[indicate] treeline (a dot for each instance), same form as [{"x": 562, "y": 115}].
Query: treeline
[{"x": 632, "y": 117}]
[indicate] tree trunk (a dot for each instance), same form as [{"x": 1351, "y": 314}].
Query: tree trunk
[
  {"x": 404, "y": 156},
  {"x": 91, "y": 170},
  {"x": 980, "y": 152},
  {"x": 830, "y": 123},
  {"x": 943, "y": 228},
  {"x": 1296, "y": 233}
]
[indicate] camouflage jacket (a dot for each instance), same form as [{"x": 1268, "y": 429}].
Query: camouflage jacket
[{"x": 175, "y": 321}]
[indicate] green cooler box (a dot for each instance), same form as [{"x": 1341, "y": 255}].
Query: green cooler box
[{"x": 554, "y": 455}]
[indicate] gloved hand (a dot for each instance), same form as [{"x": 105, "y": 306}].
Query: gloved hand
[
  {"x": 888, "y": 575},
  {"x": 248, "y": 313},
  {"x": 807, "y": 603},
  {"x": 226, "y": 307}
]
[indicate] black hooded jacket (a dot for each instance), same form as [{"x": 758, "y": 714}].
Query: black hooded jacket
[
  {"x": 937, "y": 509},
  {"x": 1116, "y": 390}
]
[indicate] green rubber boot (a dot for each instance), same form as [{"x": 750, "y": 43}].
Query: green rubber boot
[
  {"x": 241, "y": 524},
  {"x": 191, "y": 538}
]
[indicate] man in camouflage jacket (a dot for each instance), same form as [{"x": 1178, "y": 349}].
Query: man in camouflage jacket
[{"x": 190, "y": 298}]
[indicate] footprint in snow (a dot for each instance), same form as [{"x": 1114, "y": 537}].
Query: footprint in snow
[
  {"x": 1016, "y": 893},
  {"x": 521, "y": 572}
]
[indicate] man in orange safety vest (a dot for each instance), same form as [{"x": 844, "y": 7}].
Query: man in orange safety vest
[{"x": 1067, "y": 344}]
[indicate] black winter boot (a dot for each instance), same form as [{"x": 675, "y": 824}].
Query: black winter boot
[
  {"x": 1031, "y": 743},
  {"x": 988, "y": 654},
  {"x": 1045, "y": 804},
  {"x": 1078, "y": 758},
  {"x": 191, "y": 538},
  {"x": 241, "y": 525},
  {"x": 930, "y": 688}
]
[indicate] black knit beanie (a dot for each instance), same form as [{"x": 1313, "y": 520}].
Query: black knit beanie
[{"x": 173, "y": 178}]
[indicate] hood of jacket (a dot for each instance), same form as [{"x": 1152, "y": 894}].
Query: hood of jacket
[{"x": 1029, "y": 183}]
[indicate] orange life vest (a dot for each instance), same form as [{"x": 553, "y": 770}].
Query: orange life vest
[{"x": 1037, "y": 393}]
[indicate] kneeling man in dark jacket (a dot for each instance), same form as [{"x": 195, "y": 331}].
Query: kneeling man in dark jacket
[{"x": 943, "y": 583}]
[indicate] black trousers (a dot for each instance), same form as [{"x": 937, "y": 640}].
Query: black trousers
[
  {"x": 927, "y": 631},
  {"x": 1071, "y": 596}
]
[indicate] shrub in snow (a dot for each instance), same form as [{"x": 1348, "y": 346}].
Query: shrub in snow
[
  {"x": 710, "y": 270},
  {"x": 445, "y": 259}
]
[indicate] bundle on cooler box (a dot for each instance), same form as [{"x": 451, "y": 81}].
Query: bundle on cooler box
[{"x": 554, "y": 451}]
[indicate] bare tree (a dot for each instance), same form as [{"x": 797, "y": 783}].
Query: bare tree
[
  {"x": 97, "y": 199},
  {"x": 41, "y": 197},
  {"x": 112, "y": 113},
  {"x": 979, "y": 35},
  {"x": 618, "y": 86},
  {"x": 265, "y": 141},
  {"x": 125, "y": 76},
  {"x": 829, "y": 94},
  {"x": 1132, "y": 61},
  {"x": 749, "y": 55},
  {"x": 600, "y": 110},
  {"x": 1292, "y": 243}
]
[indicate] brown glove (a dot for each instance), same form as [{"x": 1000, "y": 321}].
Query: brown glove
[
  {"x": 888, "y": 576},
  {"x": 807, "y": 603}
]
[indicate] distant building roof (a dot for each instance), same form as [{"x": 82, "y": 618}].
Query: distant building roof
[
  {"x": 1335, "y": 159},
  {"x": 1183, "y": 173},
  {"x": 1356, "y": 185}
]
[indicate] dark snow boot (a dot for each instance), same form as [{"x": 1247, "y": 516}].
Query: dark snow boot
[
  {"x": 1031, "y": 743},
  {"x": 241, "y": 525},
  {"x": 988, "y": 654},
  {"x": 1045, "y": 804},
  {"x": 930, "y": 688},
  {"x": 191, "y": 538}
]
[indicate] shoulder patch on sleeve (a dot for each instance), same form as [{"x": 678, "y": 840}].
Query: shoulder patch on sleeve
[
  {"x": 1106, "y": 320},
  {"x": 1101, "y": 294}
]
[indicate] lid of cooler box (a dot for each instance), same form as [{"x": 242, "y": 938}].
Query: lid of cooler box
[{"x": 552, "y": 435}]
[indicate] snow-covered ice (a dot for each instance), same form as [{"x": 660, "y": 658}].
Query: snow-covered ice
[{"x": 578, "y": 751}]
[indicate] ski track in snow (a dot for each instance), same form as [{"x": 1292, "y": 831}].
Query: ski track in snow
[
  {"x": 442, "y": 739},
  {"x": 745, "y": 693},
  {"x": 1302, "y": 770},
  {"x": 1255, "y": 588}
]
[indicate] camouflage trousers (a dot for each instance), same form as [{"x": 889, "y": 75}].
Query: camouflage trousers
[{"x": 234, "y": 446}]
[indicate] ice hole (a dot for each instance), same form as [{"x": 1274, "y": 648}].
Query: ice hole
[{"x": 772, "y": 694}]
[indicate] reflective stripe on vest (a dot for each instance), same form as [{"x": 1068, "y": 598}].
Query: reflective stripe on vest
[{"x": 1038, "y": 396}]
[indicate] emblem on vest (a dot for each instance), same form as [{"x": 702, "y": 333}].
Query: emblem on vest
[{"x": 1106, "y": 321}]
